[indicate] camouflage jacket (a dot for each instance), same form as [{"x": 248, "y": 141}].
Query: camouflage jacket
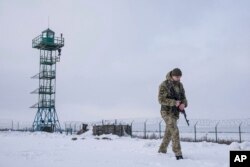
[{"x": 169, "y": 92}]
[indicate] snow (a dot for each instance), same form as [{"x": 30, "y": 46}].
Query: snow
[
  {"x": 240, "y": 146},
  {"x": 27, "y": 149}
]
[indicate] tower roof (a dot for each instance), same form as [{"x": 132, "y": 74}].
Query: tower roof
[{"x": 48, "y": 30}]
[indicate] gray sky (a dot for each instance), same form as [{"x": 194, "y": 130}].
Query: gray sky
[{"x": 118, "y": 52}]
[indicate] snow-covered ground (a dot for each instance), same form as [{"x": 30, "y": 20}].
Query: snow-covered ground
[{"x": 26, "y": 149}]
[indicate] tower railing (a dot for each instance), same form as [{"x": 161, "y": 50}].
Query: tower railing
[
  {"x": 40, "y": 42},
  {"x": 45, "y": 75}
]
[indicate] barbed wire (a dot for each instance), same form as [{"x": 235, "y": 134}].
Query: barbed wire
[{"x": 202, "y": 123}]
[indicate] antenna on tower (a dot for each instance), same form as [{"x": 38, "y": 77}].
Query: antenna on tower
[{"x": 48, "y": 21}]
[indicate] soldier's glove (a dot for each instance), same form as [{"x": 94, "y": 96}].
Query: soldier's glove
[{"x": 181, "y": 107}]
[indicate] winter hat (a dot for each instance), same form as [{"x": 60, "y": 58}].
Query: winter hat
[{"x": 176, "y": 72}]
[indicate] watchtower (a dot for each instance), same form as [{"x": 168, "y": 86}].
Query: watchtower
[{"x": 46, "y": 118}]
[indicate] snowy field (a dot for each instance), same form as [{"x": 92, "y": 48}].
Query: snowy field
[{"x": 26, "y": 149}]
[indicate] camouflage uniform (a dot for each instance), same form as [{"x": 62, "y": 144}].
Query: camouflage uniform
[{"x": 170, "y": 113}]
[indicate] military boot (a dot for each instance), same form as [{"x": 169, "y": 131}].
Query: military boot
[{"x": 178, "y": 157}]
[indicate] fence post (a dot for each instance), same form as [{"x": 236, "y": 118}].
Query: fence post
[
  {"x": 65, "y": 127},
  {"x": 145, "y": 129},
  {"x": 70, "y": 128},
  {"x": 131, "y": 124},
  {"x": 195, "y": 131},
  {"x": 160, "y": 129},
  {"x": 12, "y": 125},
  {"x": 240, "y": 131},
  {"x": 216, "y": 135}
]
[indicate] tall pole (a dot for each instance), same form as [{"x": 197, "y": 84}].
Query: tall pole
[
  {"x": 145, "y": 129},
  {"x": 216, "y": 136},
  {"x": 195, "y": 131},
  {"x": 240, "y": 131}
]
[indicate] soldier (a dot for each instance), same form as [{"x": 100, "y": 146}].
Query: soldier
[{"x": 170, "y": 107}]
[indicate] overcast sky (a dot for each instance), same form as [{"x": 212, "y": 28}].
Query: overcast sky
[{"x": 117, "y": 53}]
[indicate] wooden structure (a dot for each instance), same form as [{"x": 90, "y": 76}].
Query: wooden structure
[{"x": 120, "y": 130}]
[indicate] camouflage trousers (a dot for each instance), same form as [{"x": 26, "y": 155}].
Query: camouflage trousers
[{"x": 171, "y": 133}]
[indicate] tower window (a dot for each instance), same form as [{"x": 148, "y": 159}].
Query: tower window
[
  {"x": 44, "y": 35},
  {"x": 50, "y": 35}
]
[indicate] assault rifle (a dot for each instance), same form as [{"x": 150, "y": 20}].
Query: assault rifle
[
  {"x": 183, "y": 112},
  {"x": 176, "y": 109},
  {"x": 185, "y": 116}
]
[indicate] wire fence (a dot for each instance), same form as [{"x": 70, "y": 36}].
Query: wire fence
[{"x": 199, "y": 130}]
